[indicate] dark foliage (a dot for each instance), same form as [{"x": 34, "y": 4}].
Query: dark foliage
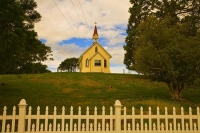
[
  {"x": 19, "y": 43},
  {"x": 69, "y": 65}
]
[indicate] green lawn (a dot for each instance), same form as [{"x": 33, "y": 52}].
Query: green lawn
[{"x": 89, "y": 89}]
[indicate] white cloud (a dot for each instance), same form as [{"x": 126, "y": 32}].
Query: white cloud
[
  {"x": 117, "y": 54},
  {"x": 68, "y": 51},
  {"x": 53, "y": 22},
  {"x": 60, "y": 53}
]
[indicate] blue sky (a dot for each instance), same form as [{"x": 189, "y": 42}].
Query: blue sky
[
  {"x": 83, "y": 42},
  {"x": 67, "y": 27}
]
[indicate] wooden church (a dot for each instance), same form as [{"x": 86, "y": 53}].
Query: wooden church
[{"x": 95, "y": 58}]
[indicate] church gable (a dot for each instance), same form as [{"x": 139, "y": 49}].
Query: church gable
[
  {"x": 96, "y": 48},
  {"x": 98, "y": 55}
]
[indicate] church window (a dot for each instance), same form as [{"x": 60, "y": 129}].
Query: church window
[
  {"x": 97, "y": 63},
  {"x": 105, "y": 63},
  {"x": 87, "y": 63},
  {"x": 96, "y": 49}
]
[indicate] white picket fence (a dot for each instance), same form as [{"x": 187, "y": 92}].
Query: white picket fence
[{"x": 117, "y": 121}]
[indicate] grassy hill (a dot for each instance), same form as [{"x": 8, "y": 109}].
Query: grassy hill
[{"x": 89, "y": 89}]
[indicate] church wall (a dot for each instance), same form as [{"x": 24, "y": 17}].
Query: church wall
[
  {"x": 97, "y": 68},
  {"x": 107, "y": 57},
  {"x": 90, "y": 55},
  {"x": 84, "y": 68}
]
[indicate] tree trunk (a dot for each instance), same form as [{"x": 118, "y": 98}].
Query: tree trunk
[{"x": 175, "y": 90}]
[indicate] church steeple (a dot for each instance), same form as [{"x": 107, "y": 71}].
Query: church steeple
[{"x": 95, "y": 34}]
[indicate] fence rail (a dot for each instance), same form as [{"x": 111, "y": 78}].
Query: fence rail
[{"x": 117, "y": 121}]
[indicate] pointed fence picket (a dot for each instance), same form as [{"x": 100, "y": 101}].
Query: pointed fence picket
[{"x": 117, "y": 121}]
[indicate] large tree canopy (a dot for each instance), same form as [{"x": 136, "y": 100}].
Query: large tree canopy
[
  {"x": 19, "y": 43},
  {"x": 180, "y": 10},
  {"x": 69, "y": 65},
  {"x": 163, "y": 42},
  {"x": 167, "y": 54}
]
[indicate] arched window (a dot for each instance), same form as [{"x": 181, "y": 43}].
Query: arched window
[
  {"x": 105, "y": 63},
  {"x": 87, "y": 62},
  {"x": 96, "y": 49}
]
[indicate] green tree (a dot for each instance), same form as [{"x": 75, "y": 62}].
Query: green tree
[
  {"x": 163, "y": 42},
  {"x": 69, "y": 65},
  {"x": 179, "y": 10},
  {"x": 167, "y": 54},
  {"x": 32, "y": 68},
  {"x": 19, "y": 43}
]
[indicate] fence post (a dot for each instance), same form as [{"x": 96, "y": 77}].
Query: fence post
[
  {"x": 22, "y": 112},
  {"x": 117, "y": 116}
]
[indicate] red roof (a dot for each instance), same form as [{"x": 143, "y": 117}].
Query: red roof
[{"x": 95, "y": 31}]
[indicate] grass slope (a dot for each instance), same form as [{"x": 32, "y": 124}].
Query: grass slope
[{"x": 89, "y": 89}]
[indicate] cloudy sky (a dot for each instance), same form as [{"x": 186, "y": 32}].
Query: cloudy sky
[{"x": 67, "y": 27}]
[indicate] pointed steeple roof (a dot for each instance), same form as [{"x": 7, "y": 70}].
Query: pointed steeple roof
[
  {"x": 95, "y": 34},
  {"x": 95, "y": 31}
]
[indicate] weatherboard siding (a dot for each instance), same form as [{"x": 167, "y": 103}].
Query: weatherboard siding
[{"x": 91, "y": 55}]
